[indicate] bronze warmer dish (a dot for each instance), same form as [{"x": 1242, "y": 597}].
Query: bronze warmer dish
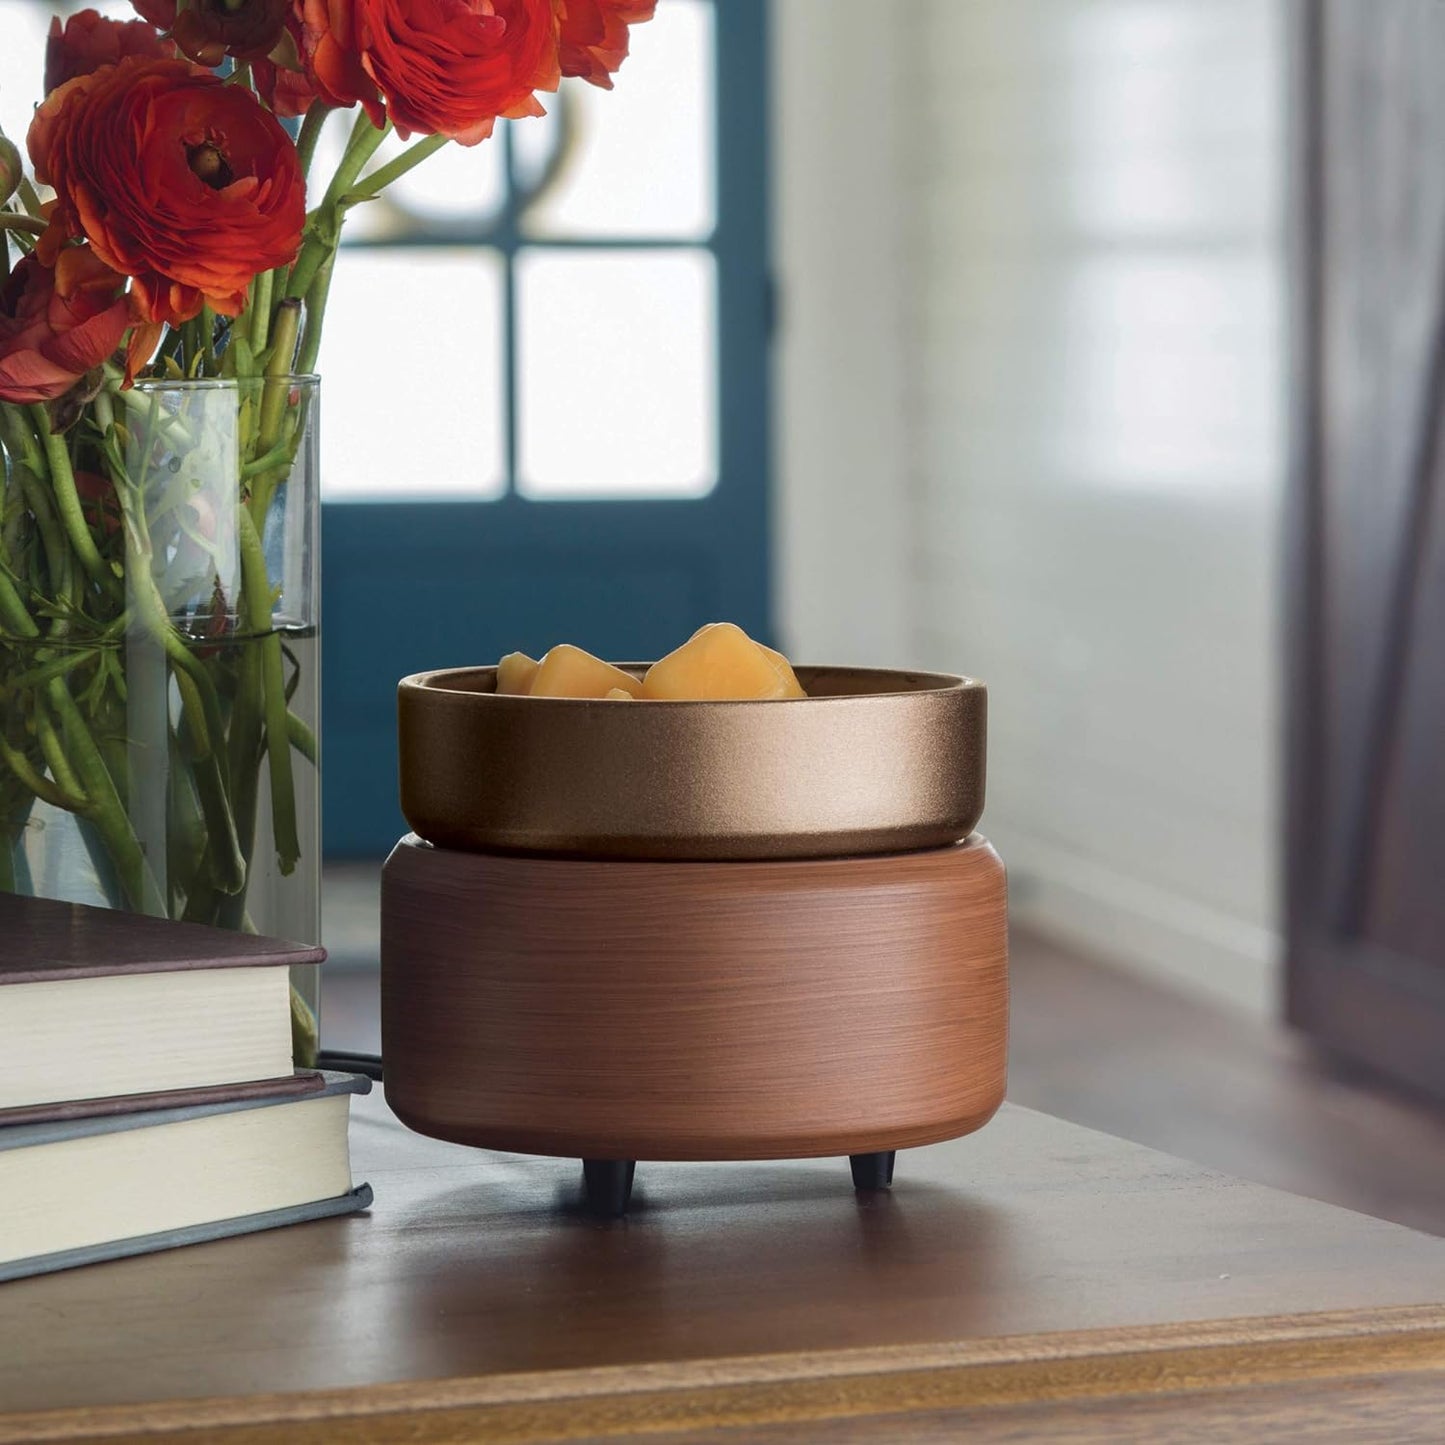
[{"x": 695, "y": 930}]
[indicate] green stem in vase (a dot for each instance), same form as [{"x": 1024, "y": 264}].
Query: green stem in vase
[
  {"x": 200, "y": 705},
  {"x": 42, "y": 788},
  {"x": 140, "y": 404},
  {"x": 29, "y": 197},
  {"x": 14, "y": 615},
  {"x": 260, "y": 313},
  {"x": 199, "y": 699},
  {"x": 262, "y": 687},
  {"x": 79, "y": 769},
  {"x": 324, "y": 225},
  {"x": 67, "y": 745},
  {"x": 302, "y": 738},
  {"x": 12, "y": 515},
  {"x": 203, "y": 905},
  {"x": 78, "y": 658},
  {"x": 194, "y": 348},
  {"x": 52, "y": 541},
  {"x": 244, "y": 751},
  {"x": 279, "y": 456},
  {"x": 28, "y": 468},
  {"x": 311, "y": 129},
  {"x": 315, "y": 316},
  {"x": 208, "y": 341},
  {"x": 185, "y": 842},
  {"x": 305, "y": 1035},
  {"x": 273, "y": 692},
  {"x": 53, "y": 751},
  {"x": 317, "y": 279},
  {"x": 76, "y": 764},
  {"x": 67, "y": 501},
  {"x": 106, "y": 810},
  {"x": 276, "y": 391},
  {"x": 394, "y": 170}
]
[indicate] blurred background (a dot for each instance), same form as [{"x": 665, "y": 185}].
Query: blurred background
[{"x": 1091, "y": 347}]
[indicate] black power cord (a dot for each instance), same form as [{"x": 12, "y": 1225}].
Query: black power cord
[{"x": 347, "y": 1062}]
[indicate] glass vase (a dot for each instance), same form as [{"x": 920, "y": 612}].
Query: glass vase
[{"x": 159, "y": 639}]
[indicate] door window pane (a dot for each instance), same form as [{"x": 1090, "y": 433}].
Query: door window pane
[
  {"x": 458, "y": 185},
  {"x": 413, "y": 365},
  {"x": 616, "y": 370},
  {"x": 23, "y": 27},
  {"x": 640, "y": 159},
  {"x": 22, "y": 64}
]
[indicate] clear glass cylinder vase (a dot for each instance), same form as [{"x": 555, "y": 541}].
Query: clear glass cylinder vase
[{"x": 159, "y": 656}]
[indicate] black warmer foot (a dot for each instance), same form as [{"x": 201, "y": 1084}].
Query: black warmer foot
[
  {"x": 609, "y": 1185},
  {"x": 872, "y": 1171}
]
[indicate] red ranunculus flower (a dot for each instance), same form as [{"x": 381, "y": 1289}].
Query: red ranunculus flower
[
  {"x": 89, "y": 40},
  {"x": 188, "y": 185},
  {"x": 437, "y": 67},
  {"x": 288, "y": 92},
  {"x": 209, "y": 30},
  {"x": 281, "y": 78},
  {"x": 594, "y": 35},
  {"x": 57, "y": 324}
]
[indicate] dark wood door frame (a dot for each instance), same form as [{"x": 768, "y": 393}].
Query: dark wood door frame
[{"x": 1365, "y": 807}]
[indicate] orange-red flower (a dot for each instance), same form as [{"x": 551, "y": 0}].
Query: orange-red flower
[
  {"x": 281, "y": 79},
  {"x": 288, "y": 92},
  {"x": 58, "y": 323},
  {"x": 435, "y": 67},
  {"x": 89, "y": 40},
  {"x": 594, "y": 35},
  {"x": 188, "y": 185},
  {"x": 209, "y": 30}
]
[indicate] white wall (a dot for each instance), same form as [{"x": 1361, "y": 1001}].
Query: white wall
[
  {"x": 1031, "y": 428},
  {"x": 840, "y": 106}
]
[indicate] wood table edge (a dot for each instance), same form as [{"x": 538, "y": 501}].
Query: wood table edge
[{"x": 805, "y": 1388}]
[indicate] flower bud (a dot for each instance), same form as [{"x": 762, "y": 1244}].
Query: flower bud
[{"x": 10, "y": 172}]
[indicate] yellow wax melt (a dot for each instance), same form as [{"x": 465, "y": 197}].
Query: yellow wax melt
[
  {"x": 515, "y": 673},
  {"x": 783, "y": 662},
  {"x": 721, "y": 662},
  {"x": 794, "y": 687},
  {"x": 778, "y": 658},
  {"x": 617, "y": 695},
  {"x": 567, "y": 671}
]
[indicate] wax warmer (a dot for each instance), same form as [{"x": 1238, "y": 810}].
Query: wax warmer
[{"x": 695, "y": 930}]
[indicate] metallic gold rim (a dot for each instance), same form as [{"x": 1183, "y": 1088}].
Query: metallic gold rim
[{"x": 874, "y": 760}]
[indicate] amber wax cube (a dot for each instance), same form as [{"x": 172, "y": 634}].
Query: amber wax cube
[
  {"x": 515, "y": 673},
  {"x": 721, "y": 662},
  {"x": 568, "y": 671}
]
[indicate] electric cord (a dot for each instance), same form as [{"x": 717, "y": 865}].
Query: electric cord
[{"x": 347, "y": 1062}]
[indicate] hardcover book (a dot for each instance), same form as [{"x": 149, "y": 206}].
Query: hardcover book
[
  {"x": 79, "y": 1190},
  {"x": 99, "y": 1005}
]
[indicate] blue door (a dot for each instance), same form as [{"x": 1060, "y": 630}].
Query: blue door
[{"x": 566, "y": 436}]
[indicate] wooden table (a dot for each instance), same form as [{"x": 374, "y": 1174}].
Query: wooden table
[{"x": 1035, "y": 1279}]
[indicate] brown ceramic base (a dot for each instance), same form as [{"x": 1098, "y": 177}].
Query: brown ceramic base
[{"x": 623, "y": 1011}]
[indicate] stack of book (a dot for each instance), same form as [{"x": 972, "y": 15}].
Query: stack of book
[{"x": 147, "y": 1097}]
